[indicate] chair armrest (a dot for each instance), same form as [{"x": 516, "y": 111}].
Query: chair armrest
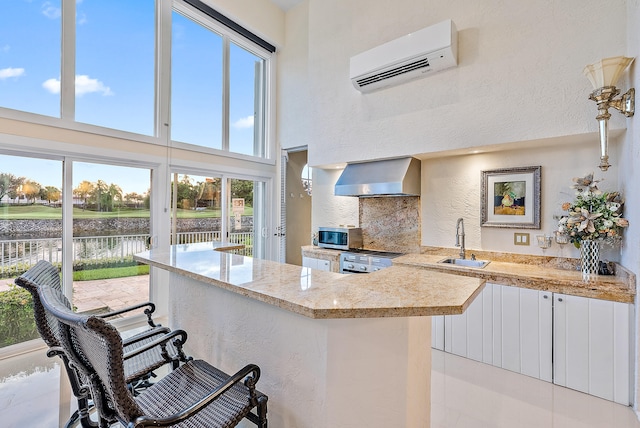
[
  {"x": 150, "y": 310},
  {"x": 250, "y": 370},
  {"x": 145, "y": 334},
  {"x": 179, "y": 337}
]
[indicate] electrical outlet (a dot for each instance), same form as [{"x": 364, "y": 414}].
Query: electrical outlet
[{"x": 520, "y": 239}]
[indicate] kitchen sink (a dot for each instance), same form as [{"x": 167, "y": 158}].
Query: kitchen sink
[{"x": 466, "y": 262}]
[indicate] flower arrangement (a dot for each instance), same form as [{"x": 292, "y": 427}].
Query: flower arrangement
[{"x": 594, "y": 214}]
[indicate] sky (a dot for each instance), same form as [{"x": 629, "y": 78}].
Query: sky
[{"x": 114, "y": 78}]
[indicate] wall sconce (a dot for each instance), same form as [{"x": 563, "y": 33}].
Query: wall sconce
[{"x": 604, "y": 75}]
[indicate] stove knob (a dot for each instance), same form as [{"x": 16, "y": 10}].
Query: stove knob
[
  {"x": 375, "y": 269},
  {"x": 363, "y": 268},
  {"x": 350, "y": 266}
]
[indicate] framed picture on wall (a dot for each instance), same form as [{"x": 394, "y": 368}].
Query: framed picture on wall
[{"x": 511, "y": 198}]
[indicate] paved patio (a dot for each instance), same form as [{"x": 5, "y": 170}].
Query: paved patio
[{"x": 105, "y": 294}]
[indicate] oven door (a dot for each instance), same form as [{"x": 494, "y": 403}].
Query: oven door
[{"x": 352, "y": 263}]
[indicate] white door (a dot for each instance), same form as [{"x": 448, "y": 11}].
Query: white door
[
  {"x": 522, "y": 331},
  {"x": 592, "y": 346}
]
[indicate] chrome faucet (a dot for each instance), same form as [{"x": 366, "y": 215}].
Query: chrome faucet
[{"x": 460, "y": 236}]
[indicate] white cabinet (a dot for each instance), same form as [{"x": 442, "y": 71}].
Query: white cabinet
[
  {"x": 522, "y": 331},
  {"x": 592, "y": 351},
  {"x": 314, "y": 263},
  {"x": 577, "y": 342},
  {"x": 507, "y": 327}
]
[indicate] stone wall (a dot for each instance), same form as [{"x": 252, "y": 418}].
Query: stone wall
[{"x": 11, "y": 229}]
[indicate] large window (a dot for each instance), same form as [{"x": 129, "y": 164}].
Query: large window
[
  {"x": 163, "y": 70},
  {"x": 196, "y": 84},
  {"x": 30, "y": 59},
  {"x": 200, "y": 205},
  {"x": 218, "y": 86},
  {"x": 246, "y": 106},
  {"x": 111, "y": 223},
  {"x": 30, "y": 230},
  {"x": 115, "y": 46}
]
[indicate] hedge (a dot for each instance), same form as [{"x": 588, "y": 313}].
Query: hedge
[
  {"x": 17, "y": 323},
  {"x": 17, "y": 269}
]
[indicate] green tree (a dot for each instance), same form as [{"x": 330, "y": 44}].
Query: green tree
[
  {"x": 134, "y": 198},
  {"x": 9, "y": 185},
  {"x": 83, "y": 192},
  {"x": 100, "y": 195},
  {"x": 242, "y": 189},
  {"x": 30, "y": 189},
  {"x": 51, "y": 194},
  {"x": 115, "y": 197}
]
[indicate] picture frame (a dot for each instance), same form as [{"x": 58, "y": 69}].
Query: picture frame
[{"x": 511, "y": 198}]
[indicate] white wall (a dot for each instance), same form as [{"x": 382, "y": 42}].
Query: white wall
[
  {"x": 261, "y": 17},
  {"x": 629, "y": 174},
  {"x": 451, "y": 188},
  {"x": 519, "y": 77}
]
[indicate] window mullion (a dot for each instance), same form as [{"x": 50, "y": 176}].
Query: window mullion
[{"x": 68, "y": 63}]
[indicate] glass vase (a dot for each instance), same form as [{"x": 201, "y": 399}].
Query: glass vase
[{"x": 589, "y": 257}]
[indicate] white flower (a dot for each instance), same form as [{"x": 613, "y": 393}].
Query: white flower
[
  {"x": 607, "y": 223},
  {"x": 614, "y": 206}
]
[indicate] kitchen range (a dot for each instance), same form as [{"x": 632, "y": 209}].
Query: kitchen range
[
  {"x": 365, "y": 261},
  {"x": 353, "y": 259}
]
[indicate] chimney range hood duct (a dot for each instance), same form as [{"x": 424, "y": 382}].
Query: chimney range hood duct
[{"x": 389, "y": 177}]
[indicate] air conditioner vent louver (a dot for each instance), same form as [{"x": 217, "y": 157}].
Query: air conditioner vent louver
[
  {"x": 406, "y": 68},
  {"x": 409, "y": 57}
]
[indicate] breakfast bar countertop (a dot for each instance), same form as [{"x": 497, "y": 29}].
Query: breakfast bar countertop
[{"x": 398, "y": 291}]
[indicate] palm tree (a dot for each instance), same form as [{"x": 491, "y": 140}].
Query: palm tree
[
  {"x": 51, "y": 193},
  {"x": 83, "y": 191},
  {"x": 115, "y": 196}
]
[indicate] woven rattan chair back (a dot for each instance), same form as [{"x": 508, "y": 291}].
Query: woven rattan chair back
[
  {"x": 42, "y": 273},
  {"x": 95, "y": 347}
]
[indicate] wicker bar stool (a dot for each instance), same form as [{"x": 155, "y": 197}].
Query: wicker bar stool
[
  {"x": 166, "y": 349},
  {"x": 195, "y": 395}
]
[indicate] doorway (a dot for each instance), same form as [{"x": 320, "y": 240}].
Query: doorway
[{"x": 298, "y": 191}]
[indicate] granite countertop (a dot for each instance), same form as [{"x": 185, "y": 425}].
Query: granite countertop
[
  {"x": 398, "y": 291},
  {"x": 558, "y": 275},
  {"x": 535, "y": 273}
]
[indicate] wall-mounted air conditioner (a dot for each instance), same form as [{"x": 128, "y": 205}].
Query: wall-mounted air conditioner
[{"x": 410, "y": 57}]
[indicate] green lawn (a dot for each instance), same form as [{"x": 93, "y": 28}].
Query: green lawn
[
  {"x": 108, "y": 273},
  {"x": 39, "y": 212}
]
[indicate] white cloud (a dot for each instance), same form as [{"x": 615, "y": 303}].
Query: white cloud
[
  {"x": 84, "y": 85},
  {"x": 52, "y": 85},
  {"x": 5, "y": 48},
  {"x": 50, "y": 11},
  {"x": 6, "y": 73},
  {"x": 81, "y": 18},
  {"x": 245, "y": 122}
]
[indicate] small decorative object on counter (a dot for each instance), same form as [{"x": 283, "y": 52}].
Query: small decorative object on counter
[
  {"x": 589, "y": 257},
  {"x": 314, "y": 238},
  {"x": 594, "y": 217}
]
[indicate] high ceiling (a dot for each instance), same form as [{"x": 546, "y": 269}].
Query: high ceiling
[{"x": 286, "y": 4}]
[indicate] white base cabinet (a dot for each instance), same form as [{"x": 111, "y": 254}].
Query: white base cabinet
[
  {"x": 314, "y": 263},
  {"x": 591, "y": 342},
  {"x": 577, "y": 342}
]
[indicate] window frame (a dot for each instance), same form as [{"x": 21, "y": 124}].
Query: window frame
[{"x": 162, "y": 96}]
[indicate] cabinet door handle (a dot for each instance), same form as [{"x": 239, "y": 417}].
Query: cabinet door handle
[
  {"x": 544, "y": 296},
  {"x": 559, "y": 299}
]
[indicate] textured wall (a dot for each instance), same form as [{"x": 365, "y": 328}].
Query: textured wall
[{"x": 519, "y": 76}]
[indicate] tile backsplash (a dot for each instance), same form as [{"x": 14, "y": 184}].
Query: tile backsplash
[{"x": 391, "y": 223}]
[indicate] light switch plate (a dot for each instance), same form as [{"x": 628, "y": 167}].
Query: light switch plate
[{"x": 521, "y": 239}]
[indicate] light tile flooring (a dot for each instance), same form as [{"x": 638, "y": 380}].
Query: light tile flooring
[{"x": 465, "y": 394}]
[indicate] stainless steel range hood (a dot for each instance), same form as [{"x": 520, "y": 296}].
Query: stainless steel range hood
[{"x": 388, "y": 177}]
